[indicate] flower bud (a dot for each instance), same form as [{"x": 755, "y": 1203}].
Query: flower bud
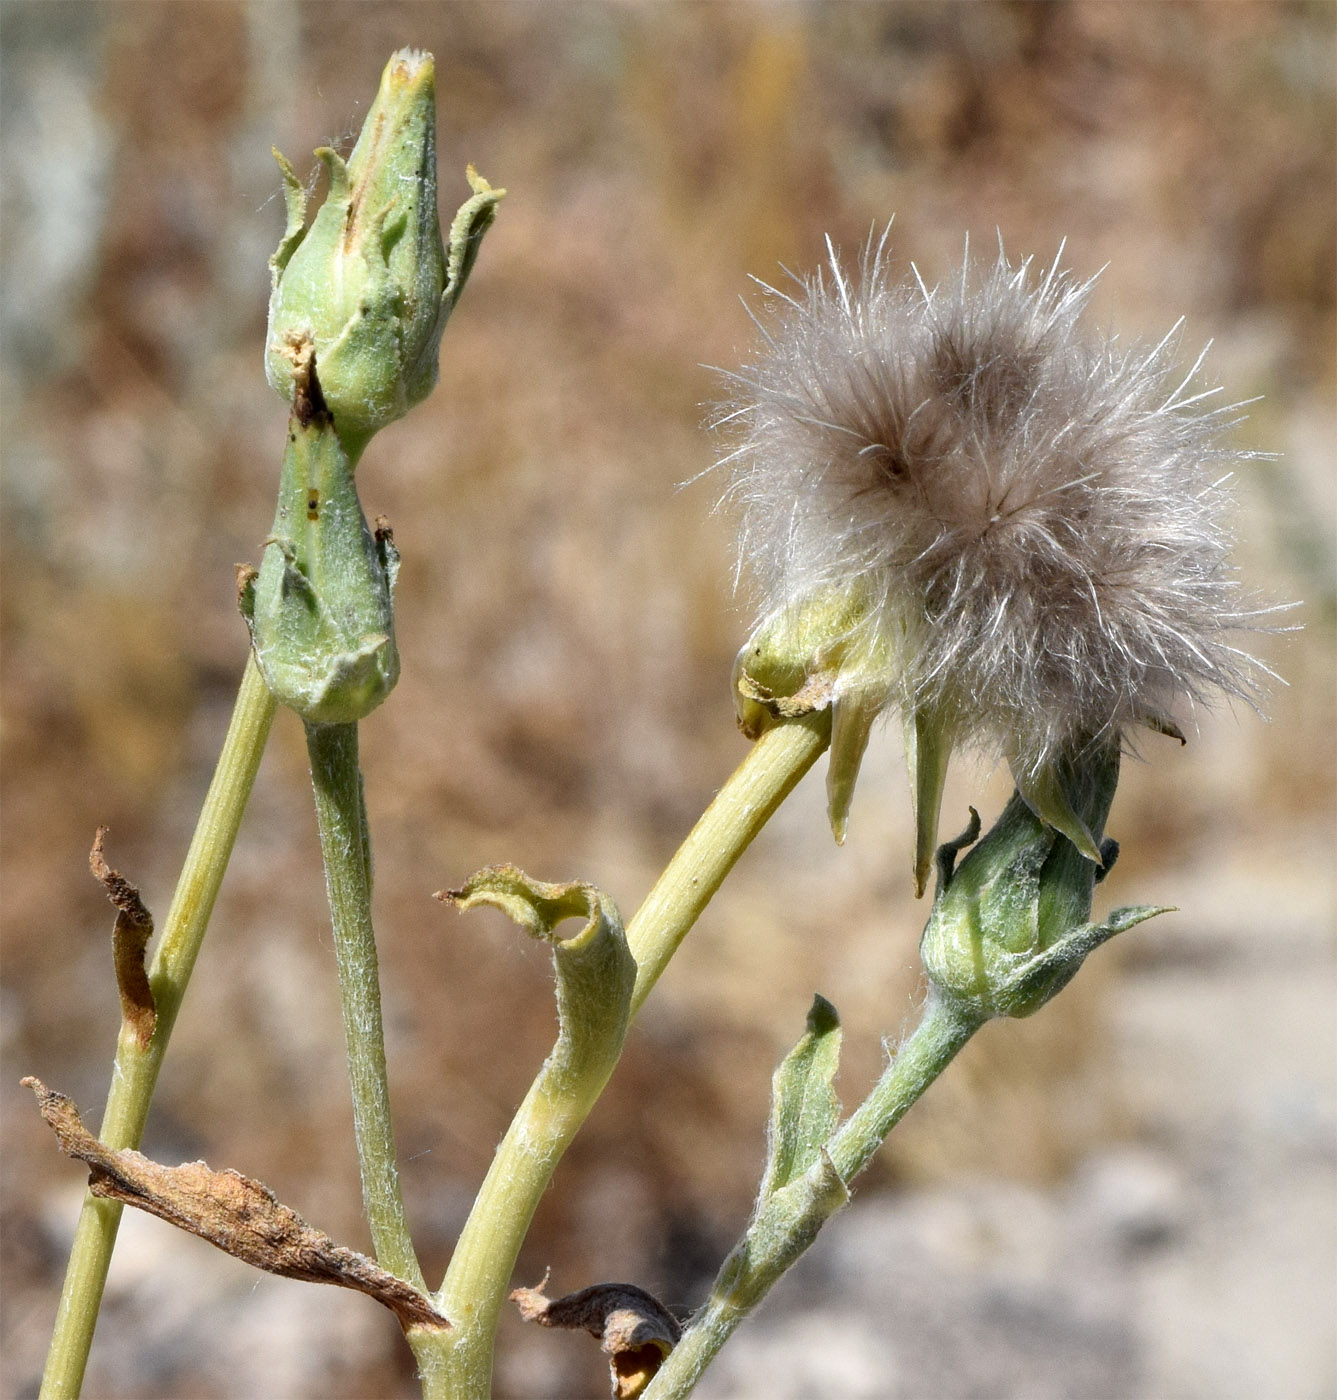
[
  {"x": 369, "y": 285},
  {"x": 320, "y": 609},
  {"x": 1008, "y": 930}
]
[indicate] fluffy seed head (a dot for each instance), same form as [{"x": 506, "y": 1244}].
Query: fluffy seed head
[{"x": 1035, "y": 511}]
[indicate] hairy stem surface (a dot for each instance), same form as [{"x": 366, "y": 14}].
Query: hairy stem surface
[
  {"x": 345, "y": 849},
  {"x": 135, "y": 1074},
  {"x": 765, "y": 1254}
]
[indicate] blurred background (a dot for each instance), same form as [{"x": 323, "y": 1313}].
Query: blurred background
[{"x": 1133, "y": 1195}]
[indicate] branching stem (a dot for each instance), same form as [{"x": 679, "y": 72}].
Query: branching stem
[
  {"x": 135, "y": 1074},
  {"x": 458, "y": 1366},
  {"x": 757, "y": 1264}
]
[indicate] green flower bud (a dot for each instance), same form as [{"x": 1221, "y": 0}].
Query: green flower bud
[
  {"x": 1008, "y": 929},
  {"x": 369, "y": 285},
  {"x": 320, "y": 611}
]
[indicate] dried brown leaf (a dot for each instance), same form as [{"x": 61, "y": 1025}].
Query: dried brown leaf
[
  {"x": 633, "y": 1327},
  {"x": 246, "y": 575},
  {"x": 238, "y": 1215},
  {"x": 129, "y": 939}
]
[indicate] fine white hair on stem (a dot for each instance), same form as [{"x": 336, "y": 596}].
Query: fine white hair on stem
[{"x": 1036, "y": 511}]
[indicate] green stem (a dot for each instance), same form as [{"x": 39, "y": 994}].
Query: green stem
[
  {"x": 764, "y": 1255},
  {"x": 744, "y": 805},
  {"x": 943, "y": 1029},
  {"x": 136, "y": 1069},
  {"x": 345, "y": 848},
  {"x": 595, "y": 973},
  {"x": 458, "y": 1365}
]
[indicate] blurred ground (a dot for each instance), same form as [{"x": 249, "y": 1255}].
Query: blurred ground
[{"x": 1132, "y": 1195}]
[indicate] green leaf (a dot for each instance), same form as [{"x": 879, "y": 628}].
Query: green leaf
[
  {"x": 294, "y": 197},
  {"x": 784, "y": 1224},
  {"x": 594, "y": 967},
  {"x": 852, "y": 717},
  {"x": 472, "y": 220},
  {"x": 1045, "y": 792},
  {"x": 1044, "y": 976},
  {"x": 804, "y": 1106}
]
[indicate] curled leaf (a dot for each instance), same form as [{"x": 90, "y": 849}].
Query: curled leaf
[
  {"x": 536, "y": 905},
  {"x": 233, "y": 1212},
  {"x": 633, "y": 1327},
  {"x": 472, "y": 220},
  {"x": 129, "y": 939},
  {"x": 949, "y": 850},
  {"x": 294, "y": 198},
  {"x": 595, "y": 969}
]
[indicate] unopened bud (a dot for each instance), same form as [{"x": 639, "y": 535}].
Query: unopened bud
[
  {"x": 1008, "y": 929},
  {"x": 321, "y": 608},
  {"x": 369, "y": 285}
]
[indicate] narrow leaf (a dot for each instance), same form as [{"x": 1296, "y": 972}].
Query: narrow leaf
[
  {"x": 852, "y": 718},
  {"x": 294, "y": 197},
  {"x": 928, "y": 750},
  {"x": 1046, "y": 794},
  {"x": 472, "y": 220},
  {"x": 804, "y": 1106}
]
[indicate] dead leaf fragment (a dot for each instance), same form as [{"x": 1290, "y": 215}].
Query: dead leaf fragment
[
  {"x": 816, "y": 693},
  {"x": 633, "y": 1327},
  {"x": 237, "y": 1214},
  {"x": 246, "y": 575},
  {"x": 129, "y": 939}
]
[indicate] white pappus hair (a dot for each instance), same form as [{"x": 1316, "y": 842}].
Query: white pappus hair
[{"x": 1036, "y": 511}]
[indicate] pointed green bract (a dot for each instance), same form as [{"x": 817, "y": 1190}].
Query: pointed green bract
[
  {"x": 472, "y": 220},
  {"x": 853, "y": 714},
  {"x": 1008, "y": 928},
  {"x": 1045, "y": 792},
  {"x": 804, "y": 1106},
  {"x": 928, "y": 751},
  {"x": 294, "y": 198}
]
